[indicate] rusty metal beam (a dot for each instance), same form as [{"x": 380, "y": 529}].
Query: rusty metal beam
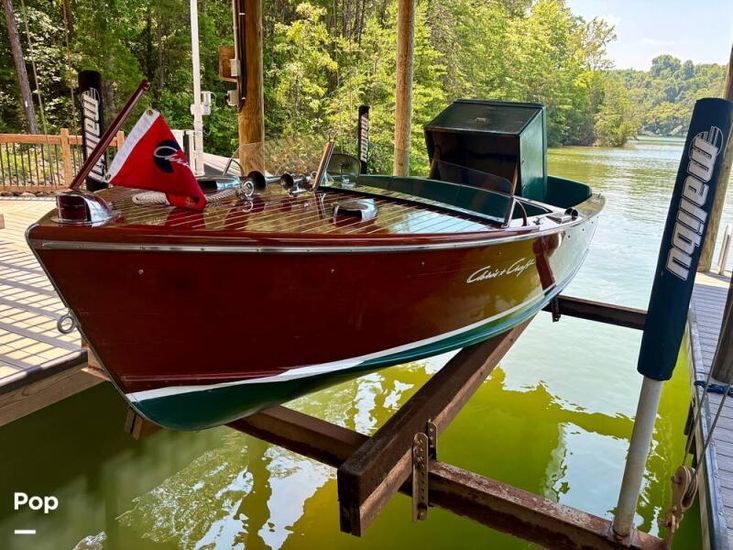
[
  {"x": 525, "y": 515},
  {"x": 368, "y": 479},
  {"x": 372, "y": 469},
  {"x": 602, "y": 312},
  {"x": 303, "y": 434},
  {"x": 490, "y": 502}
]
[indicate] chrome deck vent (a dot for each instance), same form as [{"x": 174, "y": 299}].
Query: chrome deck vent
[
  {"x": 364, "y": 209},
  {"x": 77, "y": 208}
]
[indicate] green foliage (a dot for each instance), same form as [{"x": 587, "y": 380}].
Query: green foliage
[
  {"x": 302, "y": 70},
  {"x": 616, "y": 118},
  {"x": 323, "y": 59},
  {"x": 667, "y": 92}
]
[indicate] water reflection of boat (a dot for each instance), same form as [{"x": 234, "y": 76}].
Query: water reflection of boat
[{"x": 201, "y": 318}]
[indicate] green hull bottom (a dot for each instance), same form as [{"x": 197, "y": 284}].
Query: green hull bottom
[{"x": 209, "y": 407}]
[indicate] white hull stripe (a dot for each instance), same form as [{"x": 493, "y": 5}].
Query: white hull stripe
[
  {"x": 138, "y": 131},
  {"x": 326, "y": 368}
]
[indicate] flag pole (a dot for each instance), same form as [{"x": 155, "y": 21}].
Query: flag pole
[
  {"x": 196, "y": 109},
  {"x": 109, "y": 135}
]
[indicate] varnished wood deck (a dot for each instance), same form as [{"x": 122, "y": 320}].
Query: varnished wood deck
[
  {"x": 716, "y": 493},
  {"x": 38, "y": 365}
]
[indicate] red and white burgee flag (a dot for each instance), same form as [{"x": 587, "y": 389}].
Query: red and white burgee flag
[{"x": 151, "y": 158}]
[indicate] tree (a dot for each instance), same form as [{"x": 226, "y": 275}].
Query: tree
[
  {"x": 323, "y": 58},
  {"x": 667, "y": 92},
  {"x": 20, "y": 68},
  {"x": 616, "y": 119},
  {"x": 304, "y": 68}
]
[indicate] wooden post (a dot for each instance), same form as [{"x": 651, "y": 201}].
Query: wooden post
[
  {"x": 723, "y": 360},
  {"x": 252, "y": 114},
  {"x": 120, "y": 139},
  {"x": 708, "y": 248},
  {"x": 725, "y": 249},
  {"x": 66, "y": 153},
  {"x": 403, "y": 92}
]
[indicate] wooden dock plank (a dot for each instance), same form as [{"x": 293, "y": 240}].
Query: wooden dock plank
[
  {"x": 31, "y": 397},
  {"x": 708, "y": 301},
  {"x": 38, "y": 365}
]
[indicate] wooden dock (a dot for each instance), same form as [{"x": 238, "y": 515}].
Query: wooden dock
[
  {"x": 38, "y": 365},
  {"x": 716, "y": 492}
]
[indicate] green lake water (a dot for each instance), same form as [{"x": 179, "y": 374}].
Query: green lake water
[{"x": 554, "y": 418}]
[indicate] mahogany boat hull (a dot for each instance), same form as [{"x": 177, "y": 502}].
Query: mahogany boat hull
[{"x": 198, "y": 332}]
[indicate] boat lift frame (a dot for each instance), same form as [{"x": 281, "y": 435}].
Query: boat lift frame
[{"x": 403, "y": 451}]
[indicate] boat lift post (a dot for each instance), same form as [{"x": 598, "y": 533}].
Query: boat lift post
[
  {"x": 679, "y": 254},
  {"x": 641, "y": 439}
]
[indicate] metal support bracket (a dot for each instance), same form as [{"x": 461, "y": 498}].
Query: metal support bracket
[
  {"x": 423, "y": 451},
  {"x": 380, "y": 467},
  {"x": 555, "y": 308},
  {"x": 420, "y": 461},
  {"x": 432, "y": 432}
]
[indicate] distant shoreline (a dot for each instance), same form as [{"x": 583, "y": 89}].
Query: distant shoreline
[
  {"x": 636, "y": 140},
  {"x": 672, "y": 140}
]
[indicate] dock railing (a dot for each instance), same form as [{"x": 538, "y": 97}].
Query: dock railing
[{"x": 41, "y": 162}]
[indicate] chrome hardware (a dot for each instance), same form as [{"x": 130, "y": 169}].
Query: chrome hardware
[
  {"x": 287, "y": 181},
  {"x": 77, "y": 208},
  {"x": 365, "y": 209},
  {"x": 218, "y": 182},
  {"x": 248, "y": 188},
  {"x": 257, "y": 181},
  {"x": 66, "y": 324},
  {"x": 295, "y": 186},
  {"x": 559, "y": 217}
]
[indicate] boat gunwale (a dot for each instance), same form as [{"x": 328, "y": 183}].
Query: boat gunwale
[
  {"x": 307, "y": 244},
  {"x": 48, "y": 235}
]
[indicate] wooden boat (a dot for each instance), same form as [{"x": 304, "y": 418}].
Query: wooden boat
[{"x": 204, "y": 317}]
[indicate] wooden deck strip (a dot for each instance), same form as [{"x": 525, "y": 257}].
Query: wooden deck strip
[
  {"x": 275, "y": 211},
  {"x": 708, "y": 302},
  {"x": 38, "y": 365}
]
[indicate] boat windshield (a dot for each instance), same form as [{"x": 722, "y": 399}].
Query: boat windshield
[
  {"x": 454, "y": 173},
  {"x": 458, "y": 188}
]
